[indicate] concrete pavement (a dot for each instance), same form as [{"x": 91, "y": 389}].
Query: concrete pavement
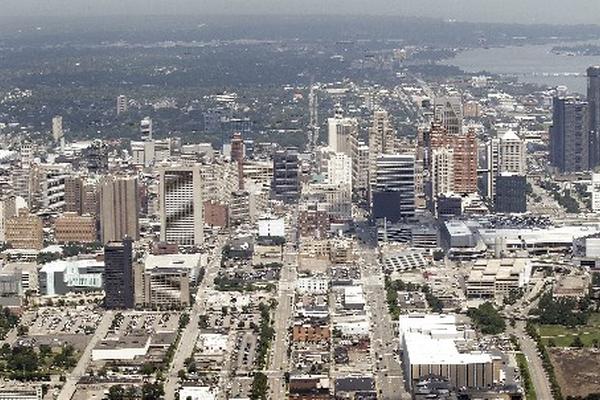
[
  {"x": 185, "y": 347},
  {"x": 70, "y": 385}
]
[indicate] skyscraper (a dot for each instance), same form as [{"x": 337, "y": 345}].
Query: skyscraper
[
  {"x": 394, "y": 187},
  {"x": 340, "y": 132},
  {"x": 237, "y": 156},
  {"x": 382, "y": 140},
  {"x": 593, "y": 98},
  {"x": 464, "y": 148},
  {"x": 448, "y": 112},
  {"x": 57, "y": 128},
  {"x": 511, "y": 154},
  {"x": 146, "y": 128},
  {"x": 286, "y": 176},
  {"x": 570, "y": 135},
  {"x": 118, "y": 275},
  {"x": 119, "y": 209},
  {"x": 180, "y": 192},
  {"x": 121, "y": 104}
]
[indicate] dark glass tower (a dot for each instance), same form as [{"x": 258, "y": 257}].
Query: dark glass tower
[{"x": 118, "y": 275}]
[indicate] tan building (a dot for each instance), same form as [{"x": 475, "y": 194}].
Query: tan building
[
  {"x": 166, "y": 288},
  {"x": 119, "y": 209},
  {"x": 489, "y": 278},
  {"x": 310, "y": 332},
  {"x": 71, "y": 227},
  {"x": 25, "y": 231}
]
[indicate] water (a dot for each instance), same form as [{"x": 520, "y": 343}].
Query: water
[{"x": 530, "y": 63}]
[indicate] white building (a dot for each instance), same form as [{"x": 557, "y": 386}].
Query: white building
[
  {"x": 190, "y": 262},
  {"x": 339, "y": 169},
  {"x": 442, "y": 171},
  {"x": 340, "y": 132},
  {"x": 271, "y": 227},
  {"x": 352, "y": 325},
  {"x": 64, "y": 276},
  {"x": 433, "y": 344},
  {"x": 198, "y": 393},
  {"x": 180, "y": 198},
  {"x": 146, "y": 128},
  {"x": 121, "y": 104},
  {"x": 57, "y": 128},
  {"x": 511, "y": 154},
  {"x": 312, "y": 285},
  {"x": 212, "y": 343}
]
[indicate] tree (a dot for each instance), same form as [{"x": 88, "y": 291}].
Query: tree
[
  {"x": 487, "y": 319},
  {"x": 577, "y": 342},
  {"x": 152, "y": 391},
  {"x": 116, "y": 392},
  {"x": 551, "y": 342}
]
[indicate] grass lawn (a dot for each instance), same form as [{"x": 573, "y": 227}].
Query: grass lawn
[{"x": 563, "y": 336}]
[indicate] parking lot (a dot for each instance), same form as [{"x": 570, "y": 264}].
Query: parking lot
[{"x": 81, "y": 320}]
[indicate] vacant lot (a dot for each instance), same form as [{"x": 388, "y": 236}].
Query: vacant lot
[
  {"x": 577, "y": 371},
  {"x": 563, "y": 336}
]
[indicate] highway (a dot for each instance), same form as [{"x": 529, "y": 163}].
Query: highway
[
  {"x": 185, "y": 347},
  {"x": 80, "y": 369}
]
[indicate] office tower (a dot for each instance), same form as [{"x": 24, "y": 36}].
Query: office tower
[
  {"x": 464, "y": 148},
  {"x": 448, "y": 112},
  {"x": 57, "y": 128},
  {"x": 570, "y": 135},
  {"x": 27, "y": 154},
  {"x": 511, "y": 154},
  {"x": 340, "y": 132},
  {"x": 73, "y": 194},
  {"x": 24, "y": 231},
  {"x": 146, "y": 128},
  {"x": 9, "y": 208},
  {"x": 89, "y": 198},
  {"x": 180, "y": 203},
  {"x": 593, "y": 98},
  {"x": 237, "y": 156},
  {"x": 118, "y": 275},
  {"x": 382, "y": 140},
  {"x": 511, "y": 193},
  {"x": 490, "y": 155},
  {"x": 121, "y": 104},
  {"x": 119, "y": 209},
  {"x": 339, "y": 170},
  {"x": 360, "y": 167},
  {"x": 166, "y": 288},
  {"x": 442, "y": 171},
  {"x": 71, "y": 227},
  {"x": 394, "y": 187},
  {"x": 96, "y": 157},
  {"x": 48, "y": 186},
  {"x": 286, "y": 176}
]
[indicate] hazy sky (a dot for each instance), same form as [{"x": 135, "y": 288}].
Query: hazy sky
[{"x": 522, "y": 11}]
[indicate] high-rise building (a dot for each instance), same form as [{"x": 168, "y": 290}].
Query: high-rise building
[
  {"x": 511, "y": 154},
  {"x": 464, "y": 148},
  {"x": 593, "y": 98},
  {"x": 166, "y": 288},
  {"x": 489, "y": 163},
  {"x": 442, "y": 171},
  {"x": 25, "y": 231},
  {"x": 57, "y": 128},
  {"x": 237, "y": 156},
  {"x": 118, "y": 275},
  {"x": 394, "y": 189},
  {"x": 511, "y": 193},
  {"x": 71, "y": 227},
  {"x": 339, "y": 169},
  {"x": 119, "y": 209},
  {"x": 340, "y": 132},
  {"x": 146, "y": 128},
  {"x": 570, "y": 135},
  {"x": 448, "y": 112},
  {"x": 286, "y": 176},
  {"x": 73, "y": 194},
  {"x": 382, "y": 140},
  {"x": 121, "y": 104},
  {"x": 360, "y": 167},
  {"x": 180, "y": 198}
]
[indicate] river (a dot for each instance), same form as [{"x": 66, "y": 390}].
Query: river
[{"x": 530, "y": 63}]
